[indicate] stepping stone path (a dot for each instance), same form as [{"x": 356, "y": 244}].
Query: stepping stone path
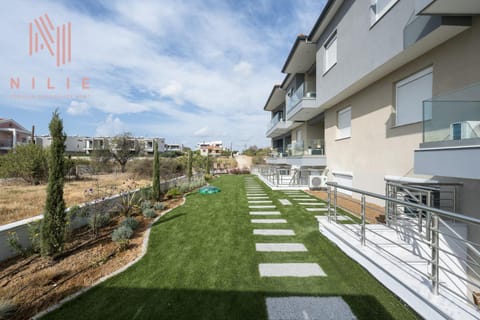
[
  {"x": 265, "y": 213},
  {"x": 280, "y": 308},
  {"x": 290, "y": 270},
  {"x": 285, "y": 202},
  {"x": 317, "y": 209},
  {"x": 273, "y": 232},
  {"x": 280, "y": 247},
  {"x": 261, "y": 207},
  {"x": 268, "y": 221}
]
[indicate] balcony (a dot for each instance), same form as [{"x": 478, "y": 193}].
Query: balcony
[
  {"x": 301, "y": 154},
  {"x": 6, "y": 144},
  {"x": 301, "y": 105},
  {"x": 451, "y": 140},
  {"x": 278, "y": 126},
  {"x": 447, "y": 7}
]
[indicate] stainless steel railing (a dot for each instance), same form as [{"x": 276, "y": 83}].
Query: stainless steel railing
[{"x": 448, "y": 242}]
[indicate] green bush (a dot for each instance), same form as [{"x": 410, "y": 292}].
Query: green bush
[
  {"x": 146, "y": 193},
  {"x": 130, "y": 222},
  {"x": 98, "y": 221},
  {"x": 141, "y": 168},
  {"x": 27, "y": 162},
  {"x": 122, "y": 235},
  {"x": 149, "y": 213},
  {"x": 34, "y": 230},
  {"x": 208, "y": 177},
  {"x": 14, "y": 244},
  {"x": 173, "y": 193},
  {"x": 146, "y": 204},
  {"x": 158, "y": 206}
]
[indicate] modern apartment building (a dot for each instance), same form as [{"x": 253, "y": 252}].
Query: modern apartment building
[
  {"x": 85, "y": 145},
  {"x": 384, "y": 90},
  {"x": 12, "y": 134}
]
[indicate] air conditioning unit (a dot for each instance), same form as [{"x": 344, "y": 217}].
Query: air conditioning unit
[
  {"x": 465, "y": 130},
  {"x": 317, "y": 181}
]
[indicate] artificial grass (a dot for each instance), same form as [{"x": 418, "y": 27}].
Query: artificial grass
[{"x": 201, "y": 264}]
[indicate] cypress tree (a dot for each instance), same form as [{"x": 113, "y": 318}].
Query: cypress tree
[
  {"x": 156, "y": 173},
  {"x": 53, "y": 225},
  {"x": 189, "y": 165}
]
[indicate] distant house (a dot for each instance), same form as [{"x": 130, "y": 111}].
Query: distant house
[
  {"x": 12, "y": 134},
  {"x": 213, "y": 148}
]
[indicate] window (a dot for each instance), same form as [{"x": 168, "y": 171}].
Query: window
[
  {"x": 344, "y": 119},
  {"x": 330, "y": 52},
  {"x": 378, "y": 8},
  {"x": 410, "y": 94}
]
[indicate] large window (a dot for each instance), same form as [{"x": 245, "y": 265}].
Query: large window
[
  {"x": 344, "y": 120},
  {"x": 410, "y": 94},
  {"x": 378, "y": 8},
  {"x": 330, "y": 52}
]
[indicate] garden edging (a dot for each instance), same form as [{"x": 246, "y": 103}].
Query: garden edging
[{"x": 116, "y": 272}]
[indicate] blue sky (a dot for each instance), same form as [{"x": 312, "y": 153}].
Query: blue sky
[{"x": 189, "y": 71}]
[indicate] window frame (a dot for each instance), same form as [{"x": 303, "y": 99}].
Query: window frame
[
  {"x": 338, "y": 135},
  {"x": 332, "y": 38},
  {"x": 414, "y": 77},
  {"x": 376, "y": 16}
]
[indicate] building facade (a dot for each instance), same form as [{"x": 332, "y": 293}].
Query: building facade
[
  {"x": 12, "y": 134},
  {"x": 383, "y": 91}
]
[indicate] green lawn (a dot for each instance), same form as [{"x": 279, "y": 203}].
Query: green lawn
[{"x": 201, "y": 264}]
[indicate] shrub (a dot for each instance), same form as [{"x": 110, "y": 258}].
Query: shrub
[
  {"x": 99, "y": 221},
  {"x": 14, "y": 244},
  {"x": 146, "y": 204},
  {"x": 173, "y": 193},
  {"x": 149, "y": 213},
  {"x": 159, "y": 206},
  {"x": 34, "y": 230},
  {"x": 141, "y": 168},
  {"x": 156, "y": 173},
  {"x": 122, "y": 236},
  {"x": 184, "y": 187},
  {"x": 146, "y": 193},
  {"x": 28, "y": 162},
  {"x": 208, "y": 177},
  {"x": 130, "y": 222}
]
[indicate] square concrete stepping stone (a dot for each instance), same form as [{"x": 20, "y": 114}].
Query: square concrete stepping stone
[
  {"x": 265, "y": 213},
  {"x": 311, "y": 203},
  {"x": 257, "y": 197},
  {"x": 343, "y": 218},
  {"x": 290, "y": 270},
  {"x": 259, "y": 201},
  {"x": 317, "y": 209},
  {"x": 282, "y": 308},
  {"x": 305, "y": 199},
  {"x": 273, "y": 232},
  {"x": 261, "y": 207},
  {"x": 280, "y": 247},
  {"x": 268, "y": 221},
  {"x": 285, "y": 202}
]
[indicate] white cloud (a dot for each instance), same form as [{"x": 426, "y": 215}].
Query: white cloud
[
  {"x": 78, "y": 108},
  {"x": 243, "y": 68},
  {"x": 110, "y": 127}
]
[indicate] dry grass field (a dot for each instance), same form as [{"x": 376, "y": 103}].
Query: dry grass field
[{"x": 19, "y": 200}]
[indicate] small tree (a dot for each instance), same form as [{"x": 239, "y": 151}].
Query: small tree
[
  {"x": 207, "y": 164},
  {"x": 53, "y": 225},
  {"x": 189, "y": 165},
  {"x": 156, "y": 173},
  {"x": 123, "y": 148}
]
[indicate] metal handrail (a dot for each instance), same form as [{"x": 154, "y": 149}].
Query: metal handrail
[{"x": 452, "y": 215}]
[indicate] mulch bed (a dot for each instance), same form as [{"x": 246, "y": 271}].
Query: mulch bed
[{"x": 35, "y": 283}]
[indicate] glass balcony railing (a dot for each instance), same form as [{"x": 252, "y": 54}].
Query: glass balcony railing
[
  {"x": 276, "y": 119},
  {"x": 451, "y": 120},
  {"x": 312, "y": 148},
  {"x": 297, "y": 96},
  {"x": 6, "y": 143}
]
